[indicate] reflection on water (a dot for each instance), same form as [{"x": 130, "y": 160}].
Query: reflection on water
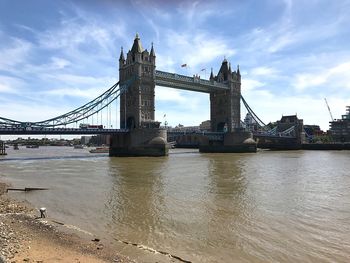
[
  {"x": 270, "y": 206},
  {"x": 134, "y": 201}
]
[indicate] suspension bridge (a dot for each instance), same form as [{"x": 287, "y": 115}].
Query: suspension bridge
[{"x": 139, "y": 133}]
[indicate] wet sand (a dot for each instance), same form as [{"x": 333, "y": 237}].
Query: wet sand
[{"x": 24, "y": 237}]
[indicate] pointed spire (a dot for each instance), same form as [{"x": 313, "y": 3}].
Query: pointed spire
[
  {"x": 152, "y": 51},
  {"x": 121, "y": 58},
  {"x": 137, "y": 47},
  {"x": 211, "y": 74},
  {"x": 229, "y": 68},
  {"x": 238, "y": 70}
]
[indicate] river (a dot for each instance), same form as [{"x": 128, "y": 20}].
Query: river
[{"x": 269, "y": 206}]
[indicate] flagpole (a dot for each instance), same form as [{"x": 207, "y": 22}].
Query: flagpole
[{"x": 205, "y": 72}]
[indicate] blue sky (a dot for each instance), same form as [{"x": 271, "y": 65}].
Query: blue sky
[{"x": 57, "y": 55}]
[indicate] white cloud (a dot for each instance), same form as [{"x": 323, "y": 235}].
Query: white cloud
[
  {"x": 84, "y": 36},
  {"x": 72, "y": 92},
  {"x": 59, "y": 63},
  {"x": 10, "y": 85},
  {"x": 263, "y": 71},
  {"x": 289, "y": 32},
  {"x": 250, "y": 84},
  {"x": 30, "y": 111},
  {"x": 336, "y": 77},
  {"x": 169, "y": 94},
  {"x": 185, "y": 107},
  {"x": 72, "y": 79},
  {"x": 14, "y": 53},
  {"x": 194, "y": 49},
  {"x": 4, "y": 88}
]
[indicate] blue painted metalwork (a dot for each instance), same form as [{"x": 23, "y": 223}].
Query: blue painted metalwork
[{"x": 8, "y": 126}]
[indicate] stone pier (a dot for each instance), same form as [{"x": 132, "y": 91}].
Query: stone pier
[
  {"x": 140, "y": 142},
  {"x": 237, "y": 141}
]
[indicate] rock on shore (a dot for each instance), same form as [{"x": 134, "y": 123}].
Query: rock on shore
[{"x": 26, "y": 238}]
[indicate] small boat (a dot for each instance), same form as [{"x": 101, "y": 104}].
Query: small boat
[
  {"x": 100, "y": 150},
  {"x": 32, "y": 146},
  {"x": 79, "y": 146}
]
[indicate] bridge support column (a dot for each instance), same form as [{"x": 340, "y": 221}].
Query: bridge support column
[
  {"x": 140, "y": 142},
  {"x": 2, "y": 148},
  {"x": 237, "y": 141}
]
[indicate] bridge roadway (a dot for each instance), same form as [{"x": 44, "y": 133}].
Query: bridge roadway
[
  {"x": 214, "y": 136},
  {"x": 57, "y": 131},
  {"x": 177, "y": 81},
  {"x": 217, "y": 136}
]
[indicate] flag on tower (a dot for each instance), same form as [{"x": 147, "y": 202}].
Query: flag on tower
[
  {"x": 184, "y": 65},
  {"x": 203, "y": 69}
]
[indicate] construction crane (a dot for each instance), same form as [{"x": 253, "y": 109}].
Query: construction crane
[{"x": 329, "y": 110}]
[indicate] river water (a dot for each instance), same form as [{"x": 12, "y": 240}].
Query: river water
[{"x": 270, "y": 206}]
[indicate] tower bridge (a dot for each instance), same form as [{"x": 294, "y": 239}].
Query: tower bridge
[{"x": 140, "y": 134}]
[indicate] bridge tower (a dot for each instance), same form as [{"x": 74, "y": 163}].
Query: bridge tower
[
  {"x": 143, "y": 137},
  {"x": 225, "y": 109},
  {"x": 137, "y": 103}
]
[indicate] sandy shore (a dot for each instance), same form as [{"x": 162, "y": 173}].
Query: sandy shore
[{"x": 26, "y": 238}]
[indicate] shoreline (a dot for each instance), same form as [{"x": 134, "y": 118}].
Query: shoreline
[{"x": 25, "y": 237}]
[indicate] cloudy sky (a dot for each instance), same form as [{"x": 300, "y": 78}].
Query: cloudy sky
[{"x": 57, "y": 55}]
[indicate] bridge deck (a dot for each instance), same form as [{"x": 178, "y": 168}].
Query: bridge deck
[
  {"x": 177, "y": 81},
  {"x": 58, "y": 131}
]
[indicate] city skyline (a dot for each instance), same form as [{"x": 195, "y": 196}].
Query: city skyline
[{"x": 57, "y": 56}]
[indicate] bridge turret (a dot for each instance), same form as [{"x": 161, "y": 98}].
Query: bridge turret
[
  {"x": 152, "y": 54},
  {"x": 211, "y": 78},
  {"x": 137, "y": 46},
  {"x": 224, "y": 70},
  {"x": 121, "y": 57},
  {"x": 238, "y": 73}
]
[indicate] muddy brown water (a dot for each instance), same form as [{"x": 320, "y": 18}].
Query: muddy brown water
[{"x": 288, "y": 206}]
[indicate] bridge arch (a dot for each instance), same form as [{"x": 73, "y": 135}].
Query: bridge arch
[
  {"x": 130, "y": 123},
  {"x": 221, "y": 127}
]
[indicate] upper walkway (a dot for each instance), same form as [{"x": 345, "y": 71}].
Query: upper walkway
[{"x": 173, "y": 80}]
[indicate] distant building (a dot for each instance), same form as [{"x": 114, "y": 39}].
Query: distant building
[
  {"x": 101, "y": 139},
  {"x": 205, "y": 126},
  {"x": 340, "y": 129},
  {"x": 85, "y": 139},
  {"x": 250, "y": 123},
  {"x": 313, "y": 130},
  {"x": 289, "y": 121},
  {"x": 182, "y": 128}
]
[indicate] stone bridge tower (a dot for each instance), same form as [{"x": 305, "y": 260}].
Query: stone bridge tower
[
  {"x": 225, "y": 109},
  {"x": 137, "y": 103}
]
